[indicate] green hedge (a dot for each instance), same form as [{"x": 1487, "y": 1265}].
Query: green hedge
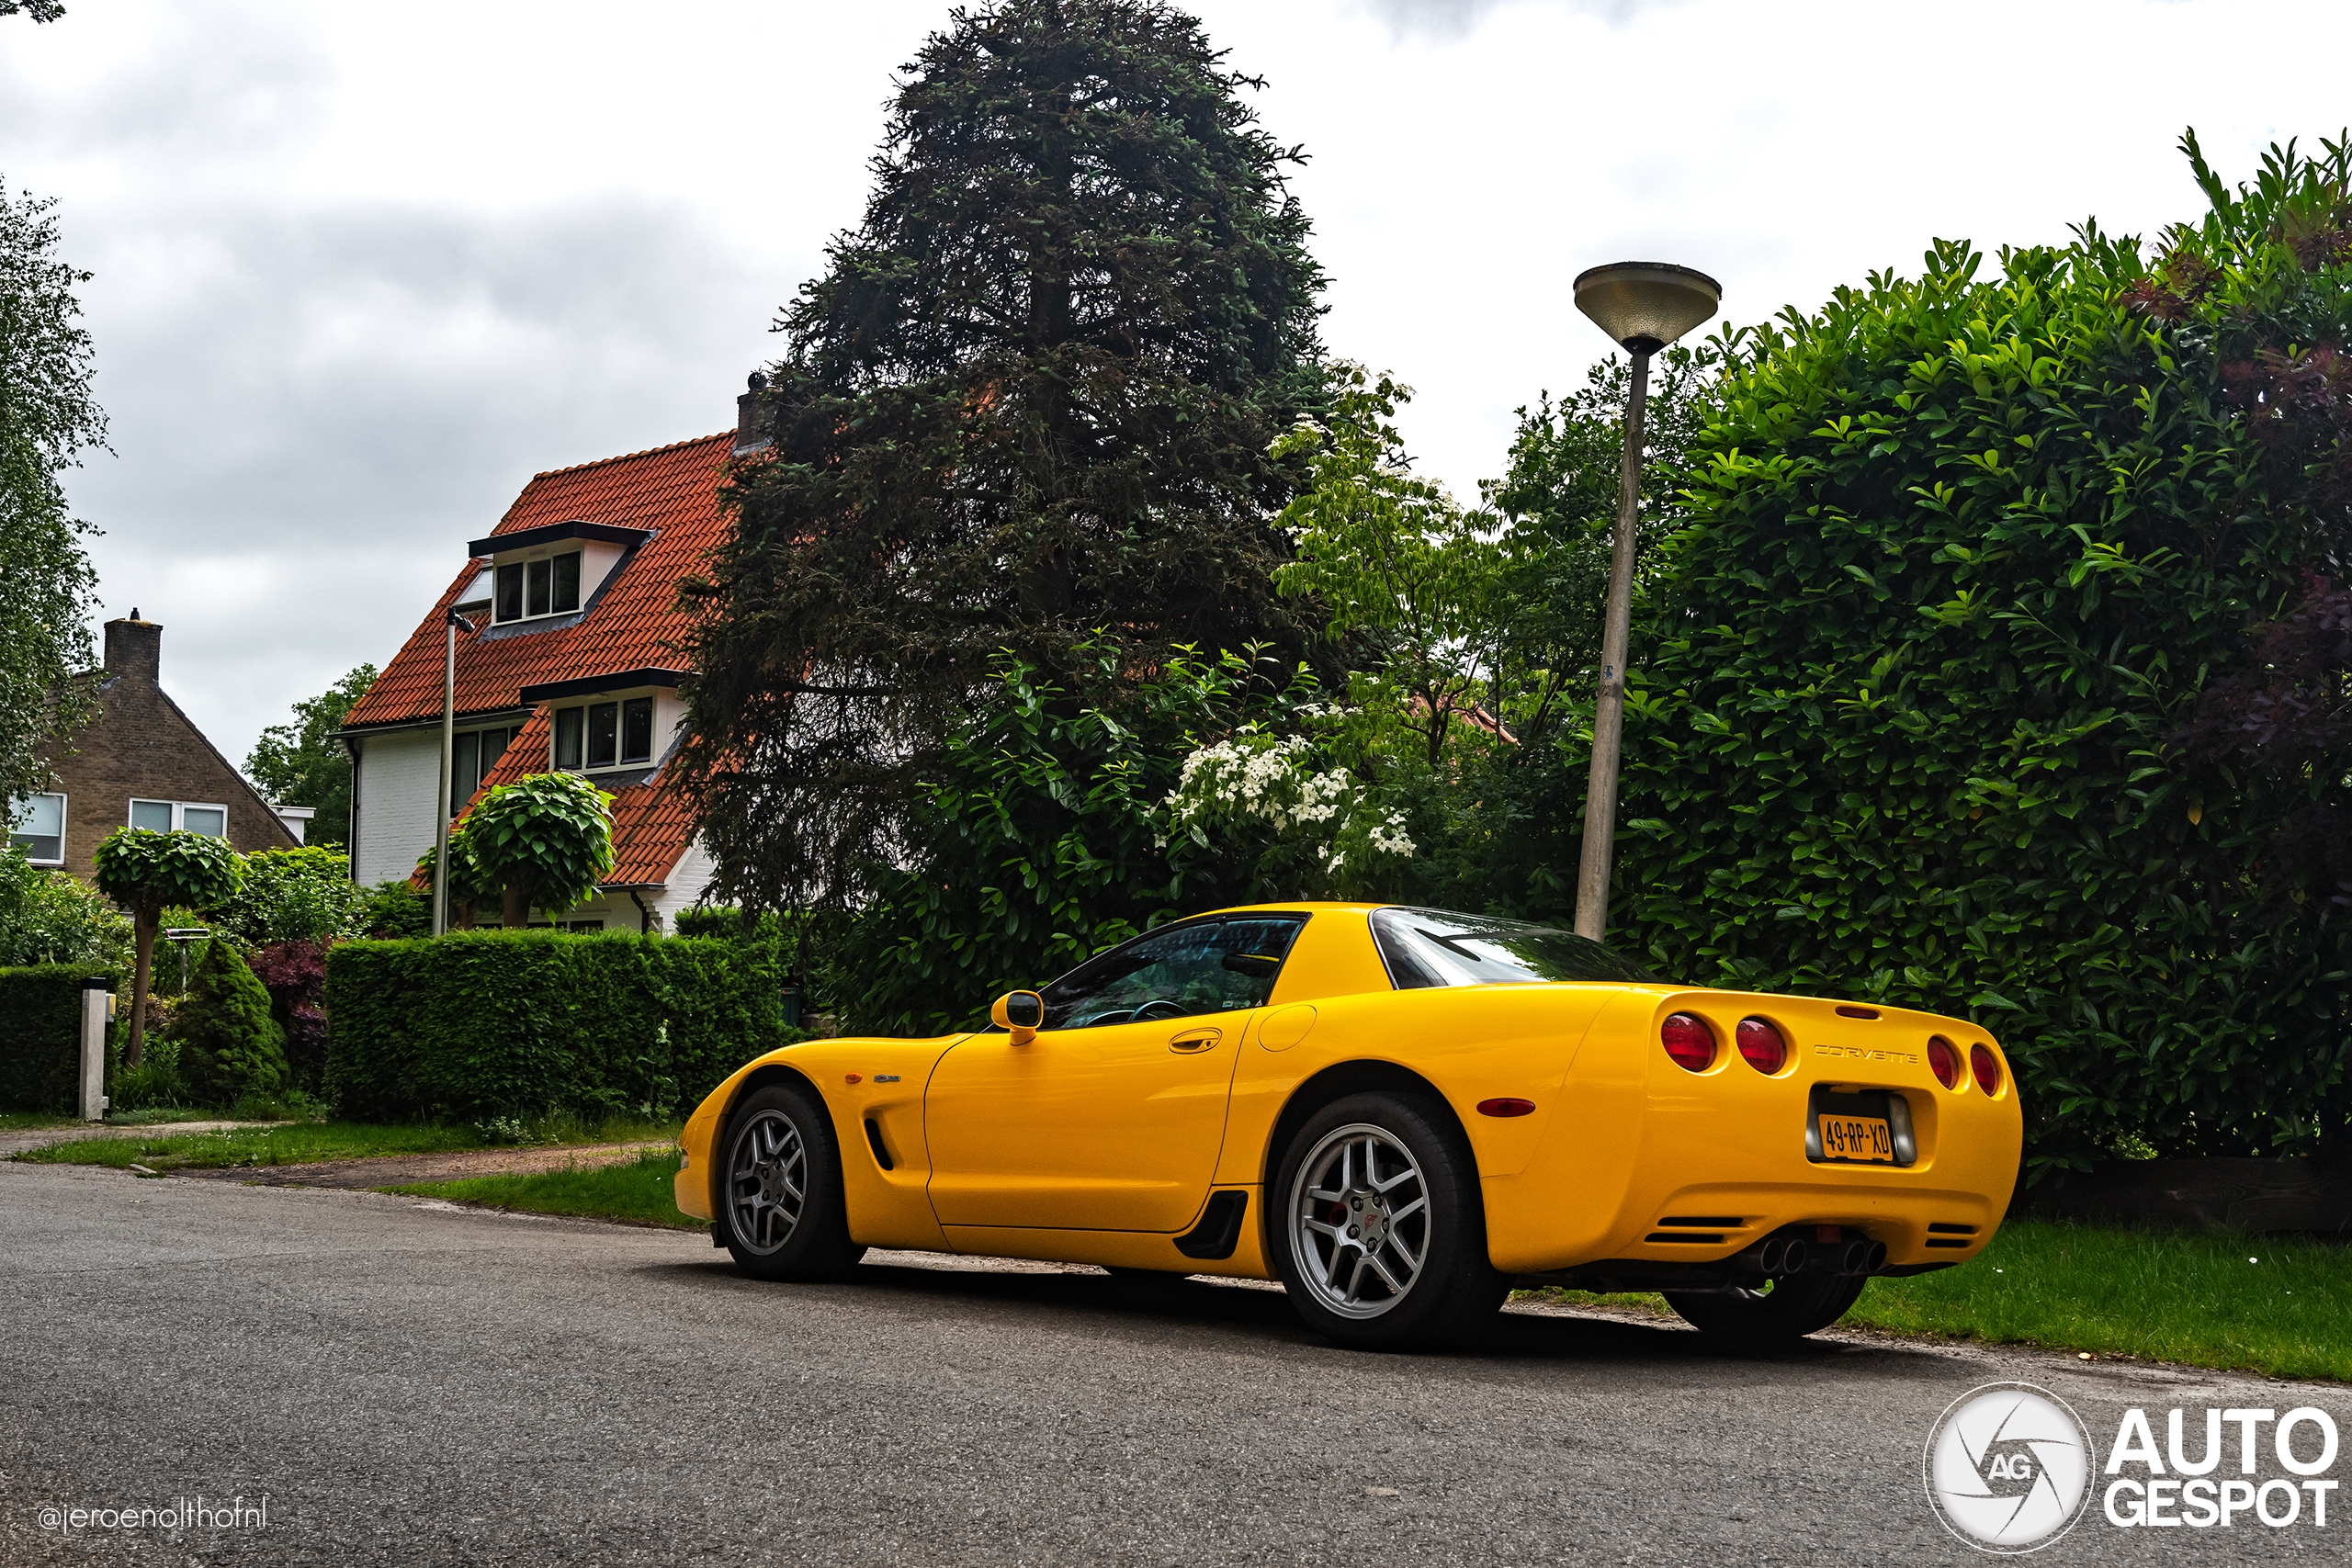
[
  {"x": 40, "y": 1035},
  {"x": 510, "y": 1024}
]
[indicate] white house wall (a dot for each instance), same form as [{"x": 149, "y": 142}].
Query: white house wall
[{"x": 400, "y": 774}]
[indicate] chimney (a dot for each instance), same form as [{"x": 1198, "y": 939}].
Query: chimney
[
  {"x": 135, "y": 647},
  {"x": 754, "y": 420}
]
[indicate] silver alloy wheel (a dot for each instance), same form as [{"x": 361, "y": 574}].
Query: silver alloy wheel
[
  {"x": 1360, "y": 1221},
  {"x": 767, "y": 1182}
]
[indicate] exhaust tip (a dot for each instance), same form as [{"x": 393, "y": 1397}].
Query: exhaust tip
[{"x": 1877, "y": 1259}]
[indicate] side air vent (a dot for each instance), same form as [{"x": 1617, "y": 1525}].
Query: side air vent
[
  {"x": 1941, "y": 1228},
  {"x": 1701, "y": 1222},
  {"x": 1694, "y": 1238},
  {"x": 881, "y": 1150}
]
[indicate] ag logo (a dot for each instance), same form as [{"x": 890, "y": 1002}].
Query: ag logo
[{"x": 2008, "y": 1467}]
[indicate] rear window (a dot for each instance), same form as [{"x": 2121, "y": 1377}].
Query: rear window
[{"x": 1438, "y": 947}]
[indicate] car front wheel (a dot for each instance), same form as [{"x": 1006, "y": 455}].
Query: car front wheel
[
  {"x": 1380, "y": 1239},
  {"x": 780, "y": 1188}
]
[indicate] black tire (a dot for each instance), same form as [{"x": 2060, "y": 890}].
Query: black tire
[
  {"x": 1759, "y": 1320},
  {"x": 778, "y": 1187},
  {"x": 1342, "y": 1249}
]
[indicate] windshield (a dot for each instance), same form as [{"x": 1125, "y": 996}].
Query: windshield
[{"x": 1437, "y": 947}]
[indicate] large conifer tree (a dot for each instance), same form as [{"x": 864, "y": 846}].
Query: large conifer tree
[{"x": 1030, "y": 397}]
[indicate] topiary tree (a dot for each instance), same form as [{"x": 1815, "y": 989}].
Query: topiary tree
[
  {"x": 144, "y": 871},
  {"x": 540, "y": 842},
  {"x": 230, "y": 1045}
]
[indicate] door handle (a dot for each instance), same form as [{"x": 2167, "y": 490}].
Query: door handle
[{"x": 1192, "y": 1041}]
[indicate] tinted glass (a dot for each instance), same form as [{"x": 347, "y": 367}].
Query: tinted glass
[
  {"x": 1199, "y": 966},
  {"x": 509, "y": 592},
  {"x": 40, "y": 827},
  {"x": 535, "y": 574},
  {"x": 155, "y": 814},
  {"x": 1436, "y": 947},
  {"x": 604, "y": 720},
  {"x": 567, "y": 726},
  {"x": 637, "y": 730},
  {"x": 567, "y": 583},
  {"x": 465, "y": 769},
  {"x": 210, "y": 820}
]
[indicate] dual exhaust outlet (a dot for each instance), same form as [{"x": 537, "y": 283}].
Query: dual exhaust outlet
[{"x": 1801, "y": 1254}]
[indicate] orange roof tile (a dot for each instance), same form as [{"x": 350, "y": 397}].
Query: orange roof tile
[{"x": 634, "y": 623}]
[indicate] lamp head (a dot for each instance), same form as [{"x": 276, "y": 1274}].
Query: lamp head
[{"x": 1646, "y": 305}]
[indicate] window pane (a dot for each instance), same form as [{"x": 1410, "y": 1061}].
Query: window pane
[
  {"x": 567, "y": 583},
  {"x": 209, "y": 820},
  {"x": 464, "y": 769},
  {"x": 536, "y": 575},
  {"x": 1435, "y": 947},
  {"x": 637, "y": 730},
  {"x": 510, "y": 591},
  {"x": 41, "y": 814},
  {"x": 567, "y": 737},
  {"x": 603, "y": 719},
  {"x": 1201, "y": 966},
  {"x": 155, "y": 814}
]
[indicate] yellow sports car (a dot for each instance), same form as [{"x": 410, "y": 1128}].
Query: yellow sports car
[{"x": 1397, "y": 1112}]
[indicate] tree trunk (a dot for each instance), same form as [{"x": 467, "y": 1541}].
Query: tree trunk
[
  {"x": 143, "y": 926},
  {"x": 517, "y": 912},
  {"x": 461, "y": 915}
]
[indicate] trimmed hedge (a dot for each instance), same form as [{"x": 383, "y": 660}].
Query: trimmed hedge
[
  {"x": 41, "y": 1036},
  {"x": 478, "y": 1024}
]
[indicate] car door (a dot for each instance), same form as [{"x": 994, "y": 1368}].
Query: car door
[{"x": 1112, "y": 1118}]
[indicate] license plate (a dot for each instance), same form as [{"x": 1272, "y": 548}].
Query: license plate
[{"x": 1857, "y": 1140}]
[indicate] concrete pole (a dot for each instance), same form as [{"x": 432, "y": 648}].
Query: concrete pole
[
  {"x": 441, "y": 788},
  {"x": 1609, "y": 702},
  {"x": 98, "y": 1009}
]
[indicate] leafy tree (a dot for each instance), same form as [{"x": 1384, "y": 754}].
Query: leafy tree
[
  {"x": 1401, "y": 567},
  {"x": 145, "y": 871},
  {"x": 1041, "y": 837},
  {"x": 298, "y": 765},
  {"x": 390, "y": 910},
  {"x": 46, "y": 417},
  {"x": 302, "y": 894},
  {"x": 544, "y": 843},
  {"x": 39, "y": 10},
  {"x": 1966, "y": 558},
  {"x": 230, "y": 1045},
  {"x": 1030, "y": 398},
  {"x": 47, "y": 917}
]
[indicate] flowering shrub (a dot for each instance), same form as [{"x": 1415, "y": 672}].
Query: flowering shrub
[{"x": 1327, "y": 833}]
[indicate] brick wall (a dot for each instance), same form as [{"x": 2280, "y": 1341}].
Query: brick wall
[{"x": 141, "y": 746}]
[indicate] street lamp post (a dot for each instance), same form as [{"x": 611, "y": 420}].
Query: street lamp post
[
  {"x": 1645, "y": 306},
  {"x": 448, "y": 763}
]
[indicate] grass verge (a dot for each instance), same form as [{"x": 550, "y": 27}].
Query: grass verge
[
  {"x": 2262, "y": 1304},
  {"x": 640, "y": 1190},
  {"x": 301, "y": 1142}
]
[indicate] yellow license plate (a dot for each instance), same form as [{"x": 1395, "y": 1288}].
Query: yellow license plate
[{"x": 1862, "y": 1140}]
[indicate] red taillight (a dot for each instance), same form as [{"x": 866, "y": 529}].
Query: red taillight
[
  {"x": 1762, "y": 1045},
  {"x": 1690, "y": 1042},
  {"x": 1988, "y": 1069},
  {"x": 1945, "y": 1060}
]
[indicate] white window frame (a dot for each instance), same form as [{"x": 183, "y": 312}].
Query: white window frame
[
  {"x": 524, "y": 564},
  {"x": 180, "y": 808},
  {"x": 62, "y": 805}
]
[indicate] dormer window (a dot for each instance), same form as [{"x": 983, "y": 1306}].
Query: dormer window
[
  {"x": 605, "y": 734},
  {"x": 549, "y": 586}
]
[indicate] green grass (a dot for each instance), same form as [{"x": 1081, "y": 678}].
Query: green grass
[
  {"x": 299, "y": 1142},
  {"x": 2192, "y": 1297},
  {"x": 640, "y": 1189},
  {"x": 23, "y": 1121}
]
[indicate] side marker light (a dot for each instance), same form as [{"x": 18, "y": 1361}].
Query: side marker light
[{"x": 1505, "y": 1108}]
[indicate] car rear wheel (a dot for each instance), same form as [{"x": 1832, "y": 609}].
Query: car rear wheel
[
  {"x": 780, "y": 1188},
  {"x": 1380, "y": 1237},
  {"x": 1789, "y": 1308}
]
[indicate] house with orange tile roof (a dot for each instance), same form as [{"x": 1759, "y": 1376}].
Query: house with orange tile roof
[{"x": 572, "y": 664}]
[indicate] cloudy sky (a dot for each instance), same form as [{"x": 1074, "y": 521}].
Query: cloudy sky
[{"x": 362, "y": 269}]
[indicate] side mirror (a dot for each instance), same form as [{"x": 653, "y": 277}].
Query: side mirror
[{"x": 1019, "y": 1013}]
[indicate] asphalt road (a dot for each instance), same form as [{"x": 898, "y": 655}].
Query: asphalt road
[{"x": 413, "y": 1384}]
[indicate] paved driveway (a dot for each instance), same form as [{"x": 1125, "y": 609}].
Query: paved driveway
[{"x": 418, "y": 1385}]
